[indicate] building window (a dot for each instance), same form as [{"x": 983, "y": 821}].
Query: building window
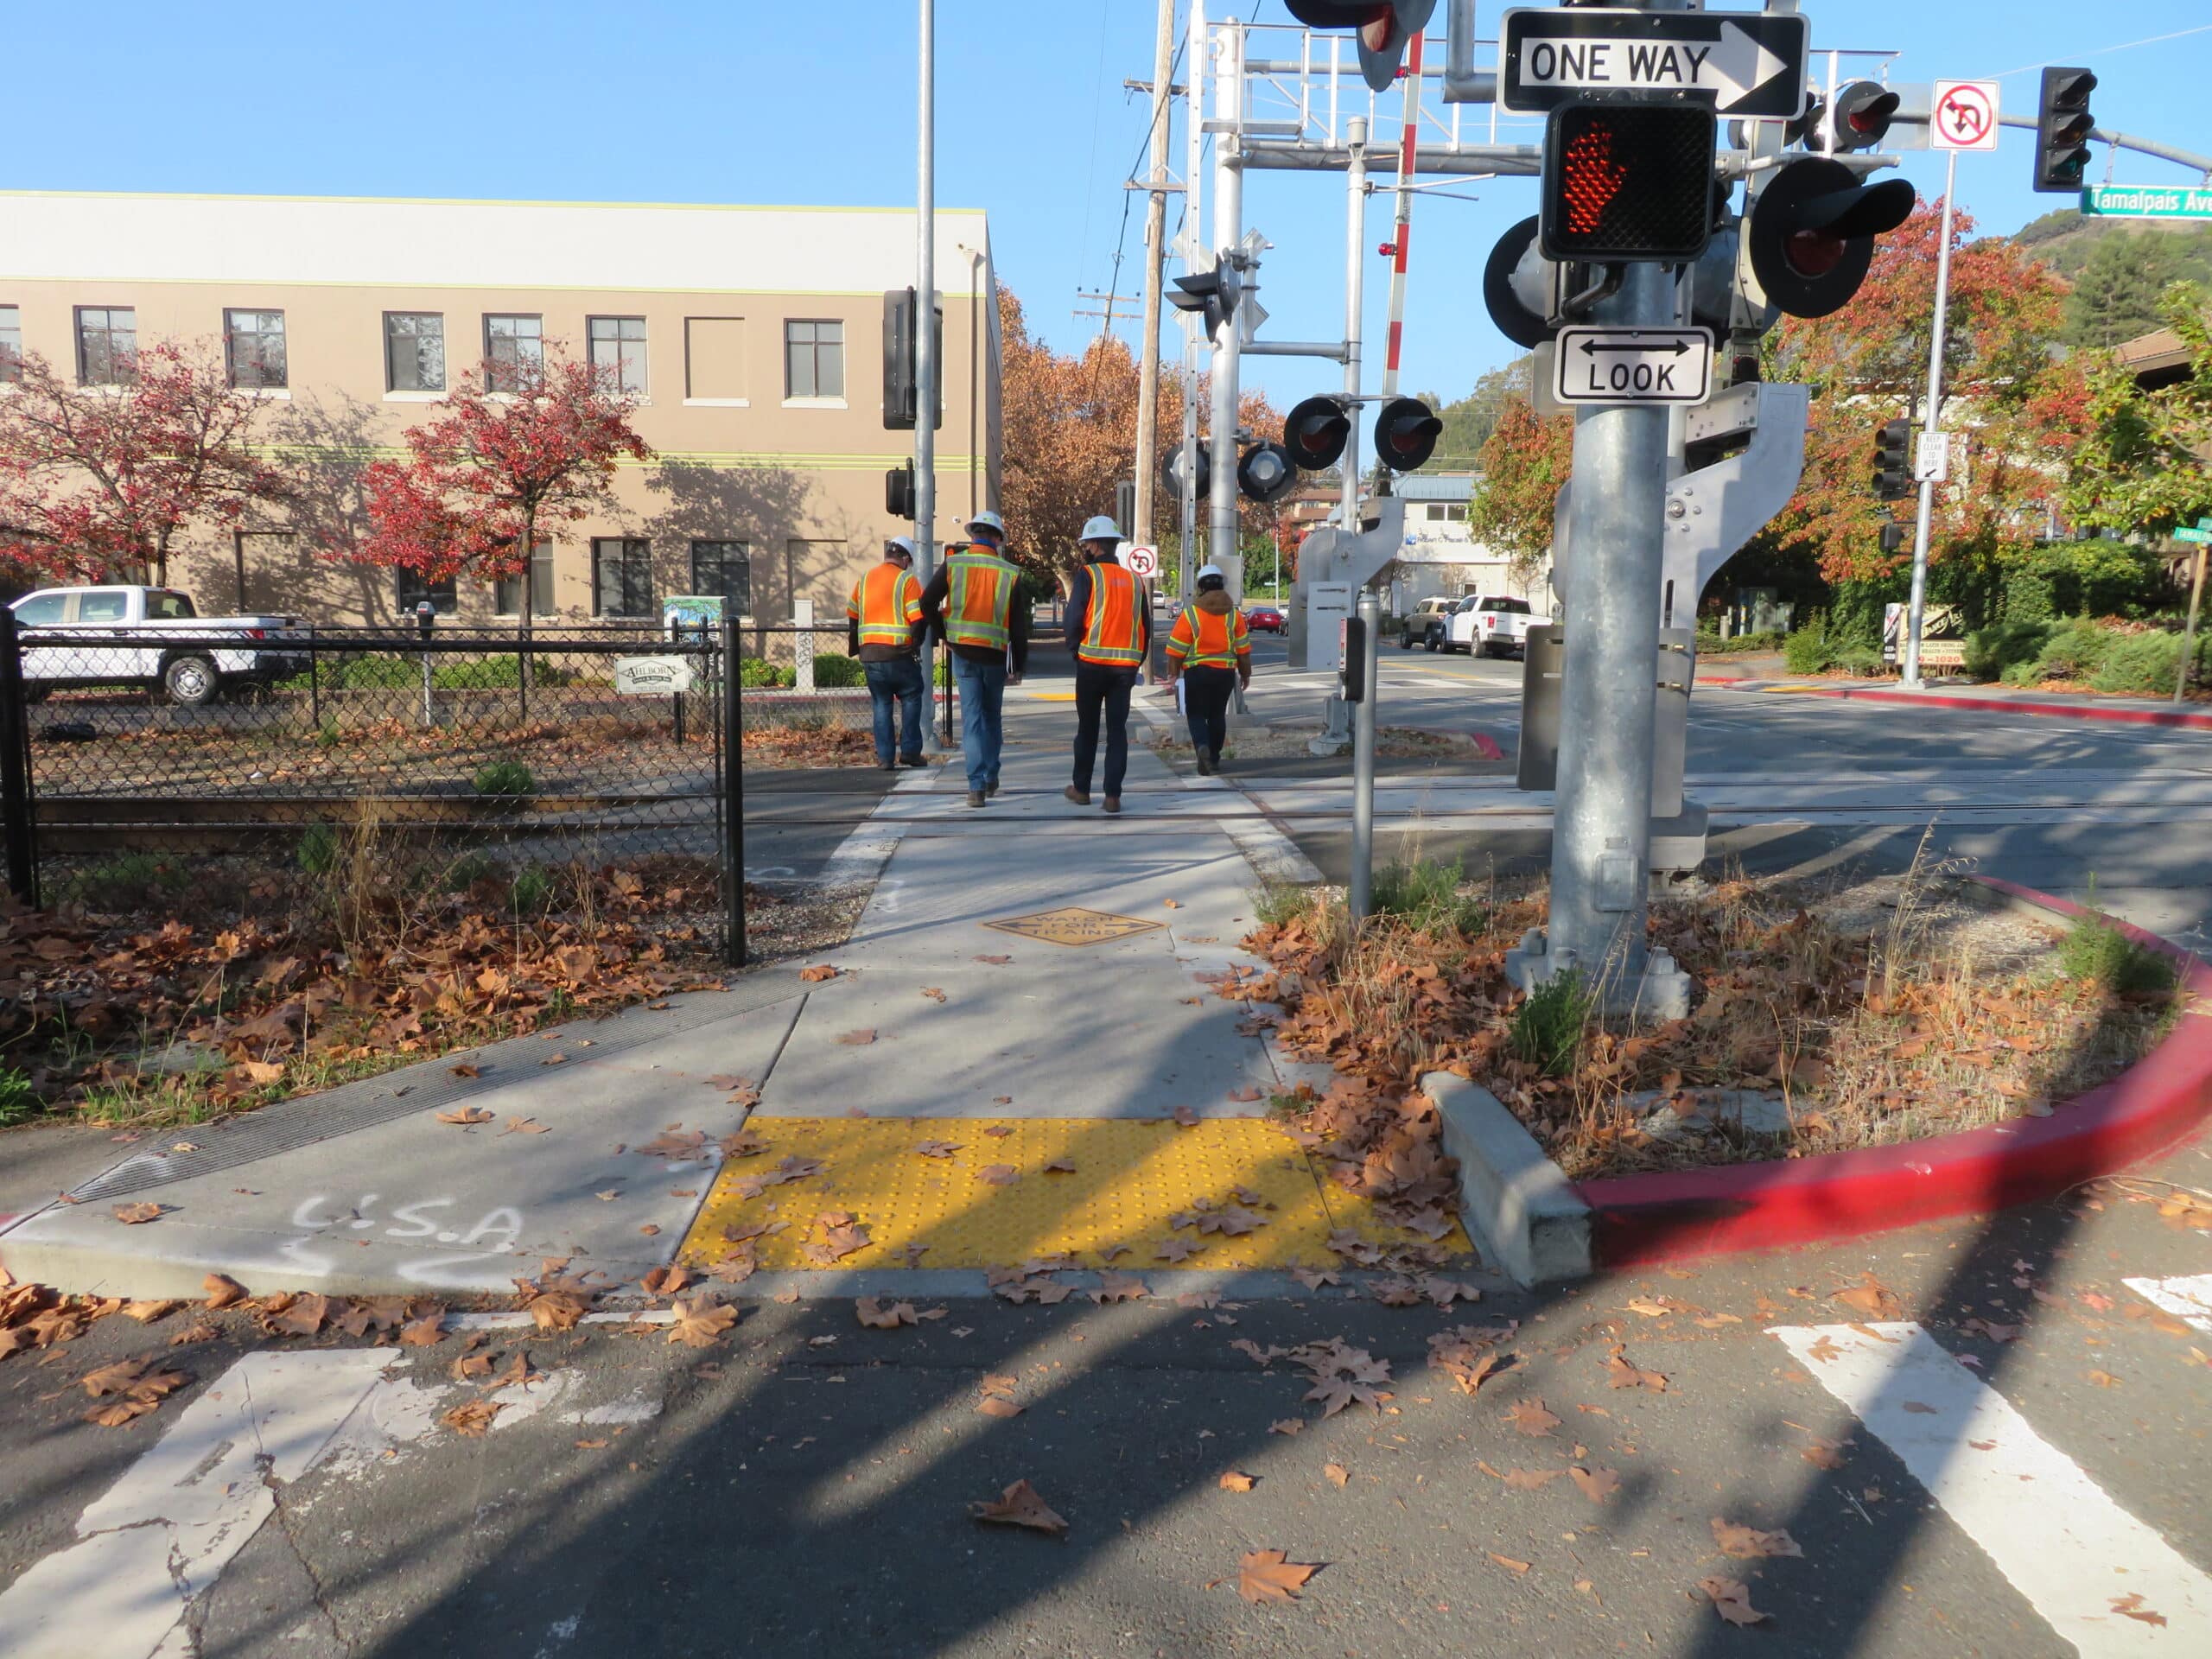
[
  {"x": 414, "y": 351},
  {"x": 12, "y": 343},
  {"x": 621, "y": 576},
  {"x": 723, "y": 568},
  {"x": 514, "y": 352},
  {"x": 107, "y": 345},
  {"x": 507, "y": 592},
  {"x": 713, "y": 359},
  {"x": 1434, "y": 512},
  {"x": 617, "y": 345},
  {"x": 814, "y": 359},
  {"x": 413, "y": 590},
  {"x": 253, "y": 348},
  {"x": 1456, "y": 513}
]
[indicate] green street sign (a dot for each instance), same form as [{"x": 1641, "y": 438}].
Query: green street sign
[
  {"x": 2147, "y": 201},
  {"x": 2193, "y": 535}
]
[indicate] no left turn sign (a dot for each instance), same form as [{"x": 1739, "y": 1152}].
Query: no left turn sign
[
  {"x": 1963, "y": 115},
  {"x": 1141, "y": 561}
]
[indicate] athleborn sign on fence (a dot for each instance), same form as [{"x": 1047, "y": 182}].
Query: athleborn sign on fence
[
  {"x": 1741, "y": 63},
  {"x": 1633, "y": 365}
]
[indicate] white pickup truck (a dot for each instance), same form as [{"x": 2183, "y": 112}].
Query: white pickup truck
[
  {"x": 104, "y": 636},
  {"x": 1491, "y": 625}
]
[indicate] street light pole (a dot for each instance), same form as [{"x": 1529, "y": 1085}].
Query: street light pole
[
  {"x": 1918, "y": 613},
  {"x": 926, "y": 368}
]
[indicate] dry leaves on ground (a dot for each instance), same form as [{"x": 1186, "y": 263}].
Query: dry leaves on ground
[
  {"x": 700, "y": 1322},
  {"x": 791, "y": 1167},
  {"x": 1343, "y": 1375},
  {"x": 1620, "y": 1373},
  {"x": 1236, "y": 1480},
  {"x": 878, "y": 1318},
  {"x": 1116, "y": 1287},
  {"x": 1731, "y": 1599},
  {"x": 134, "y": 1215},
  {"x": 1871, "y": 1298},
  {"x": 1271, "y": 1575},
  {"x": 466, "y": 1116},
  {"x": 1532, "y": 1418},
  {"x": 1466, "y": 1353},
  {"x": 1749, "y": 1543},
  {"x": 996, "y": 1399},
  {"x": 222, "y": 1291},
  {"x": 1596, "y": 1485},
  {"x": 816, "y": 973},
  {"x": 1020, "y": 1505},
  {"x": 472, "y": 1418},
  {"x": 131, "y": 1387},
  {"x": 1337, "y": 1473},
  {"x": 149, "y": 1312},
  {"x": 999, "y": 1174},
  {"x": 1515, "y": 1567}
]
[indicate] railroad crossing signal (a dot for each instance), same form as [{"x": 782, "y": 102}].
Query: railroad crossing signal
[
  {"x": 1627, "y": 182},
  {"x": 1212, "y": 292},
  {"x": 1315, "y": 432},
  {"x": 1405, "y": 434},
  {"x": 1862, "y": 114},
  {"x": 1386, "y": 27},
  {"x": 2063, "y": 127},
  {"x": 1809, "y": 237}
]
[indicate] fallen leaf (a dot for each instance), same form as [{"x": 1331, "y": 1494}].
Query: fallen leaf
[
  {"x": 937, "y": 1149},
  {"x": 1869, "y": 1297},
  {"x": 303, "y": 1316},
  {"x": 148, "y": 1311},
  {"x": 699, "y": 1322},
  {"x": 1731, "y": 1600},
  {"x": 555, "y": 1060},
  {"x": 1116, "y": 1287},
  {"x": 1060, "y": 1166},
  {"x": 995, "y": 1405},
  {"x": 876, "y": 1317},
  {"x": 1622, "y": 1375},
  {"x": 1596, "y": 1485},
  {"x": 1236, "y": 1480},
  {"x": 1271, "y": 1575},
  {"x": 465, "y": 1070},
  {"x": 1824, "y": 1350},
  {"x": 473, "y": 1417},
  {"x": 651, "y": 1229},
  {"x": 1171, "y": 903},
  {"x": 1314, "y": 1279},
  {"x": 996, "y": 962},
  {"x": 222, "y": 1291},
  {"x": 1530, "y": 1480},
  {"x": 2104, "y": 1379},
  {"x": 1531, "y": 1418},
  {"x": 933, "y": 993},
  {"x": 1244, "y": 1097},
  {"x": 423, "y": 1333},
  {"x": 526, "y": 1126},
  {"x": 2131, "y": 1606},
  {"x": 466, "y": 1116},
  {"x": 1337, "y": 1473},
  {"x": 858, "y": 1038},
  {"x": 1824, "y": 1455},
  {"x": 1287, "y": 1426},
  {"x": 1187, "y": 1116},
  {"x": 1515, "y": 1568},
  {"x": 999, "y": 1174},
  {"x": 816, "y": 973},
  {"x": 1019, "y": 1505},
  {"x": 1749, "y": 1544},
  {"x": 133, "y": 1215}
]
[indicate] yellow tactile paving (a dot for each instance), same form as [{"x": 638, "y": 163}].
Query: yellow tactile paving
[{"x": 1130, "y": 1177}]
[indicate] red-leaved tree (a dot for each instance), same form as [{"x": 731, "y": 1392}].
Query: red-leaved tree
[
  {"x": 495, "y": 469},
  {"x": 98, "y": 482}
]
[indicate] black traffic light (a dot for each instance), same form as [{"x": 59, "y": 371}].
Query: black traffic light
[
  {"x": 1863, "y": 112},
  {"x": 1264, "y": 473},
  {"x": 1172, "y": 471},
  {"x": 1405, "y": 434},
  {"x": 901, "y": 380},
  {"x": 1213, "y": 292},
  {"x": 1811, "y": 231},
  {"x": 1893, "y": 461},
  {"x": 1315, "y": 432},
  {"x": 1627, "y": 182},
  {"x": 1892, "y": 536},
  {"x": 899, "y": 492},
  {"x": 1385, "y": 28},
  {"x": 2063, "y": 127}
]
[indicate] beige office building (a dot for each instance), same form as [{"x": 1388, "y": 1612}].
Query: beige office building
[{"x": 752, "y": 337}]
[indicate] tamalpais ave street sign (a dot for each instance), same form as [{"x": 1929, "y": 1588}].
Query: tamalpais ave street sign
[
  {"x": 1633, "y": 365},
  {"x": 1741, "y": 63},
  {"x": 2147, "y": 202}
]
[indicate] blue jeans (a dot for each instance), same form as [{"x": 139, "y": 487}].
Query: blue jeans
[
  {"x": 900, "y": 678},
  {"x": 982, "y": 706}
]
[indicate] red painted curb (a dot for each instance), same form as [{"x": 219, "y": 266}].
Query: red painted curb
[
  {"x": 2184, "y": 718},
  {"x": 1636, "y": 1220}
]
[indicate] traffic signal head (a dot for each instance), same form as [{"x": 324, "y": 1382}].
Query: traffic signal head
[
  {"x": 1314, "y": 433},
  {"x": 899, "y": 490},
  {"x": 2063, "y": 127},
  {"x": 1893, "y": 461},
  {"x": 1173, "y": 473},
  {"x": 1515, "y": 282},
  {"x": 1802, "y": 127},
  {"x": 1892, "y": 536},
  {"x": 1810, "y": 233},
  {"x": 1627, "y": 182},
  {"x": 1863, "y": 111},
  {"x": 1264, "y": 473},
  {"x": 1405, "y": 434},
  {"x": 1212, "y": 292},
  {"x": 1384, "y": 26}
]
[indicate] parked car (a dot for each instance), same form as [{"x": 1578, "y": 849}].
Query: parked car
[
  {"x": 1263, "y": 619},
  {"x": 1424, "y": 625},
  {"x": 62, "y": 631},
  {"x": 1491, "y": 624}
]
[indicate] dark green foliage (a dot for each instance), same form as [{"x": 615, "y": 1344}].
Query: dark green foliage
[
  {"x": 834, "y": 671},
  {"x": 509, "y": 779},
  {"x": 1426, "y": 894},
  {"x": 2100, "y": 954},
  {"x": 1549, "y": 1027}
]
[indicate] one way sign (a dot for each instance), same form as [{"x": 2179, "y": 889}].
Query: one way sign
[
  {"x": 1633, "y": 365},
  {"x": 1741, "y": 63}
]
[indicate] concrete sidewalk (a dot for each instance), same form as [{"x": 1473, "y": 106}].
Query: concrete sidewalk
[{"x": 1034, "y": 984}]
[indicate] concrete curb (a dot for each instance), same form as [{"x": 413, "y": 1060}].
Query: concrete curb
[
  {"x": 1520, "y": 1208},
  {"x": 1638, "y": 1220},
  {"x": 2186, "y": 719}
]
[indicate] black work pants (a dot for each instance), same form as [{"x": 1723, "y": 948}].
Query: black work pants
[
  {"x": 1101, "y": 692},
  {"x": 1205, "y": 706}
]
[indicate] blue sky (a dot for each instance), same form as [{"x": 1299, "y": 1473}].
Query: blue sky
[{"x": 762, "y": 101}]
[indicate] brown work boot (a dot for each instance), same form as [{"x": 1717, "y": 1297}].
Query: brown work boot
[
  {"x": 1080, "y": 797},
  {"x": 1113, "y": 804},
  {"x": 975, "y": 798}
]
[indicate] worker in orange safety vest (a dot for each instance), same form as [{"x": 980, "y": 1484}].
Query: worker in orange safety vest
[
  {"x": 1108, "y": 632},
  {"x": 1209, "y": 650},
  {"x": 883, "y": 628}
]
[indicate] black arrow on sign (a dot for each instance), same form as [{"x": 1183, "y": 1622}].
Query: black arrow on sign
[{"x": 1591, "y": 347}]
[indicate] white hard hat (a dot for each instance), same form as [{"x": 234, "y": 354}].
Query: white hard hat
[
  {"x": 902, "y": 544},
  {"x": 1205, "y": 570},
  {"x": 1101, "y": 529},
  {"x": 988, "y": 520}
]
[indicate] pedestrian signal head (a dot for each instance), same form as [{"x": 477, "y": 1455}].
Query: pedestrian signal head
[
  {"x": 1810, "y": 238},
  {"x": 1314, "y": 433},
  {"x": 1627, "y": 182},
  {"x": 1405, "y": 434}
]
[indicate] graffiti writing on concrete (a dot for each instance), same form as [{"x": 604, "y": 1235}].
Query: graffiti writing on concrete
[{"x": 487, "y": 1237}]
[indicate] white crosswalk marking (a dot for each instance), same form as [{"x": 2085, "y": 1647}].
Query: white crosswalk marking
[
  {"x": 2081, "y": 1561},
  {"x": 2188, "y": 1300}
]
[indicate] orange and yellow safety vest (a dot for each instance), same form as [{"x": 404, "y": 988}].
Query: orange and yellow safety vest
[
  {"x": 979, "y": 598},
  {"x": 1113, "y": 634},
  {"x": 1203, "y": 639},
  {"x": 886, "y": 602}
]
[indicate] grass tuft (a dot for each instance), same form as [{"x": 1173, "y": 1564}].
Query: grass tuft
[
  {"x": 1425, "y": 894},
  {"x": 2097, "y": 953},
  {"x": 1548, "y": 1027}
]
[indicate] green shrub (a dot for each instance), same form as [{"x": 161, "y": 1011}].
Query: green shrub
[
  {"x": 756, "y": 674},
  {"x": 2075, "y": 651},
  {"x": 509, "y": 779},
  {"x": 834, "y": 671},
  {"x": 468, "y": 870},
  {"x": 2141, "y": 663},
  {"x": 1862, "y": 660},
  {"x": 18, "y": 1100},
  {"x": 126, "y": 881},
  {"x": 1426, "y": 895},
  {"x": 2098, "y": 953},
  {"x": 533, "y": 890},
  {"x": 1993, "y": 651},
  {"x": 1548, "y": 1026},
  {"x": 319, "y": 849},
  {"x": 374, "y": 674},
  {"x": 1809, "y": 650}
]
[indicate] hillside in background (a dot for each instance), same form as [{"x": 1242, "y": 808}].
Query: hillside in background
[{"x": 2118, "y": 267}]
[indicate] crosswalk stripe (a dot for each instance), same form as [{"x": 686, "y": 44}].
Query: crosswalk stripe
[
  {"x": 2188, "y": 1300},
  {"x": 2081, "y": 1561}
]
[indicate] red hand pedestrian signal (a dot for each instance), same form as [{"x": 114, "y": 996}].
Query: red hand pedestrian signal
[
  {"x": 1627, "y": 182},
  {"x": 1590, "y": 179}
]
